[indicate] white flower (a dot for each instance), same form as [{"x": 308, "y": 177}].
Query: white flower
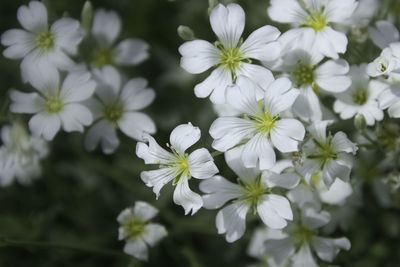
[
  {"x": 385, "y": 64},
  {"x": 313, "y": 78},
  {"x": 361, "y": 97},
  {"x": 262, "y": 125},
  {"x": 39, "y": 44},
  {"x": 137, "y": 231},
  {"x": 390, "y": 97},
  {"x": 20, "y": 155},
  {"x": 55, "y": 106},
  {"x": 254, "y": 190},
  {"x": 114, "y": 107},
  {"x": 326, "y": 156},
  {"x": 384, "y": 33},
  {"x": 231, "y": 56},
  {"x": 105, "y": 30},
  {"x": 293, "y": 247},
  {"x": 178, "y": 165},
  {"x": 313, "y": 19}
]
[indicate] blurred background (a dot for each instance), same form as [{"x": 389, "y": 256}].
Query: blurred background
[{"x": 80, "y": 194}]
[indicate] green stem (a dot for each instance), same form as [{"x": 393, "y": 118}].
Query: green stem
[
  {"x": 53, "y": 245},
  {"x": 216, "y": 153}
]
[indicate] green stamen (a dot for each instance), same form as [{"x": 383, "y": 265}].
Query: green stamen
[
  {"x": 325, "y": 152},
  {"x": 113, "y": 112},
  {"x": 253, "y": 192},
  {"x": 317, "y": 21},
  {"x": 360, "y": 97},
  {"x": 45, "y": 41},
  {"x": 53, "y": 104},
  {"x": 134, "y": 227},
  {"x": 102, "y": 57},
  {"x": 304, "y": 74},
  {"x": 303, "y": 235}
]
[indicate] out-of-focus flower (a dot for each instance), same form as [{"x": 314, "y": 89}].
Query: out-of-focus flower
[
  {"x": 178, "y": 165},
  {"x": 39, "y": 44},
  {"x": 137, "y": 230},
  {"x": 313, "y": 20},
  {"x": 114, "y": 108},
  {"x": 361, "y": 97},
  {"x": 231, "y": 55},
  {"x": 294, "y": 246},
  {"x": 384, "y": 33},
  {"x": 254, "y": 190},
  {"x": 326, "y": 157},
  {"x": 313, "y": 78},
  {"x": 263, "y": 124},
  {"x": 55, "y": 106},
  {"x": 105, "y": 30},
  {"x": 20, "y": 155}
]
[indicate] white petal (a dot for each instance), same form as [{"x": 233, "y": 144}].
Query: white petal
[
  {"x": 328, "y": 248},
  {"x": 330, "y": 42},
  {"x": 185, "y": 197},
  {"x": 137, "y": 248},
  {"x": 330, "y": 76},
  {"x": 45, "y": 78},
  {"x": 228, "y": 132},
  {"x": 219, "y": 191},
  {"x": 44, "y": 124},
  {"x": 269, "y": 215},
  {"x": 201, "y": 164},
  {"x": 285, "y": 180},
  {"x": 198, "y": 56},
  {"x": 106, "y": 26},
  {"x": 144, "y": 211},
  {"x": 341, "y": 143},
  {"x": 218, "y": 80},
  {"x": 228, "y": 23},
  {"x": 337, "y": 193},
  {"x": 234, "y": 159},
  {"x": 340, "y": 10},
  {"x": 314, "y": 220},
  {"x": 25, "y": 102},
  {"x": 280, "y": 249},
  {"x": 103, "y": 132},
  {"x": 60, "y": 59},
  {"x": 74, "y": 116},
  {"x": 68, "y": 34},
  {"x": 280, "y": 96},
  {"x": 301, "y": 195},
  {"x": 286, "y": 134},
  {"x": 286, "y": 11},
  {"x": 258, "y": 150},
  {"x": 307, "y": 105},
  {"x": 131, "y": 52},
  {"x": 232, "y": 221},
  {"x": 152, "y": 153},
  {"x": 298, "y": 38},
  {"x": 184, "y": 136},
  {"x": 77, "y": 86},
  {"x": 157, "y": 178},
  {"x": 242, "y": 96},
  {"x": 333, "y": 170},
  {"x": 19, "y": 43},
  {"x": 261, "y": 76},
  {"x": 304, "y": 258},
  {"x": 262, "y": 45},
  {"x": 134, "y": 124},
  {"x": 384, "y": 34},
  {"x": 33, "y": 17},
  {"x": 135, "y": 95},
  {"x": 154, "y": 233}
]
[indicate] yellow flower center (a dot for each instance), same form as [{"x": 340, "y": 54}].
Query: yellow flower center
[
  {"x": 45, "y": 41},
  {"x": 113, "y": 112},
  {"x": 134, "y": 227},
  {"x": 360, "y": 97},
  {"x": 53, "y": 104},
  {"x": 102, "y": 57},
  {"x": 304, "y": 74},
  {"x": 316, "y": 20}
]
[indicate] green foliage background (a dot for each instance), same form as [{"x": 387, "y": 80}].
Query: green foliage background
[{"x": 77, "y": 200}]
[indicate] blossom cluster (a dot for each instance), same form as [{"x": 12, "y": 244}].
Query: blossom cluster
[{"x": 280, "y": 99}]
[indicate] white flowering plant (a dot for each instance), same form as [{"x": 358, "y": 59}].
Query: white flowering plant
[{"x": 263, "y": 133}]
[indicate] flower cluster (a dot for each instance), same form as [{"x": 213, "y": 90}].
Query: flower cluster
[{"x": 286, "y": 97}]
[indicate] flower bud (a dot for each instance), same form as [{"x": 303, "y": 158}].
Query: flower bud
[
  {"x": 87, "y": 16},
  {"x": 359, "y": 122},
  {"x": 185, "y": 33}
]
